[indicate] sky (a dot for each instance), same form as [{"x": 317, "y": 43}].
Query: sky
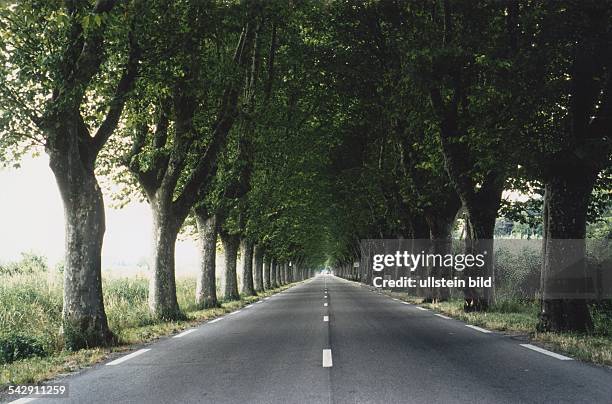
[{"x": 32, "y": 220}]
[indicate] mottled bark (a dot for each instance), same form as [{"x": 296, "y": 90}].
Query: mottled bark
[
  {"x": 267, "y": 272},
  {"x": 206, "y": 287},
  {"x": 231, "y": 243},
  {"x": 258, "y": 263},
  {"x": 162, "y": 286},
  {"x": 566, "y": 201},
  {"x": 246, "y": 248},
  {"x": 84, "y": 319}
]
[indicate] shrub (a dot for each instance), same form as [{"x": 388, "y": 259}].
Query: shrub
[
  {"x": 28, "y": 264},
  {"x": 16, "y": 346}
]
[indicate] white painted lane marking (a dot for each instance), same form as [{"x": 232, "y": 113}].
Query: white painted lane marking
[
  {"x": 324, "y": 304},
  {"x": 23, "y": 400},
  {"x": 397, "y": 300},
  {"x": 473, "y": 327},
  {"x": 259, "y": 301},
  {"x": 421, "y": 308},
  {"x": 442, "y": 316},
  {"x": 325, "y": 297},
  {"x": 325, "y": 318},
  {"x": 234, "y": 312},
  {"x": 215, "y": 320},
  {"x": 127, "y": 357},
  {"x": 405, "y": 303},
  {"x": 248, "y": 307},
  {"x": 327, "y": 358},
  {"x": 184, "y": 333},
  {"x": 546, "y": 352}
]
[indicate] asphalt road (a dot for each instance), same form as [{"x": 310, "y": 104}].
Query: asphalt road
[{"x": 380, "y": 351}]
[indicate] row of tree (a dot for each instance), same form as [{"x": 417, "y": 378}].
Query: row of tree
[
  {"x": 193, "y": 106},
  {"x": 292, "y": 130},
  {"x": 447, "y": 104}
]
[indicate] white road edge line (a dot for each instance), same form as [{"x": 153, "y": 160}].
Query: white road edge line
[
  {"x": 234, "y": 312},
  {"x": 325, "y": 318},
  {"x": 127, "y": 357},
  {"x": 442, "y": 316},
  {"x": 406, "y": 303},
  {"x": 473, "y": 327},
  {"x": 184, "y": 333},
  {"x": 327, "y": 358},
  {"x": 248, "y": 307},
  {"x": 215, "y": 320},
  {"x": 23, "y": 400},
  {"x": 324, "y": 304},
  {"x": 421, "y": 308},
  {"x": 259, "y": 301},
  {"x": 545, "y": 352}
]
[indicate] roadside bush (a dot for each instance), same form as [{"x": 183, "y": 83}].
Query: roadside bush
[{"x": 16, "y": 346}]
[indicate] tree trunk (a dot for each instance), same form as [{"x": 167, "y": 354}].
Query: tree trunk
[
  {"x": 247, "y": 267},
  {"x": 279, "y": 274},
  {"x": 565, "y": 284},
  {"x": 283, "y": 273},
  {"x": 206, "y": 288},
  {"x": 480, "y": 225},
  {"x": 84, "y": 321},
  {"x": 230, "y": 245},
  {"x": 258, "y": 263},
  {"x": 162, "y": 286},
  {"x": 273, "y": 279},
  {"x": 267, "y": 273},
  {"x": 440, "y": 233}
]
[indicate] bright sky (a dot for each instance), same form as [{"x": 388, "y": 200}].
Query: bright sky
[{"x": 32, "y": 220}]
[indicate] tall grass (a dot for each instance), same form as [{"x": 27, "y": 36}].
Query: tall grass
[{"x": 31, "y": 308}]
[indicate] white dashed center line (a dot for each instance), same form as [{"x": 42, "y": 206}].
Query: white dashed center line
[
  {"x": 325, "y": 318},
  {"x": 327, "y": 358},
  {"x": 324, "y": 304}
]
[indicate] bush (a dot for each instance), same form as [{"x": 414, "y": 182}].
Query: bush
[
  {"x": 16, "y": 346},
  {"x": 29, "y": 264}
]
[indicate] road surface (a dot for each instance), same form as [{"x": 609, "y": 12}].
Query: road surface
[{"x": 346, "y": 345}]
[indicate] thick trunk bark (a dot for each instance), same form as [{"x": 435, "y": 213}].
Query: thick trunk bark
[
  {"x": 230, "y": 245},
  {"x": 480, "y": 225},
  {"x": 258, "y": 263},
  {"x": 246, "y": 248},
  {"x": 283, "y": 273},
  {"x": 440, "y": 233},
  {"x": 267, "y": 273},
  {"x": 84, "y": 321},
  {"x": 206, "y": 287},
  {"x": 279, "y": 280},
  {"x": 565, "y": 285},
  {"x": 162, "y": 286},
  {"x": 273, "y": 279}
]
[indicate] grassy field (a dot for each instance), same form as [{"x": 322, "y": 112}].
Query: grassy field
[
  {"x": 31, "y": 348},
  {"x": 515, "y": 317}
]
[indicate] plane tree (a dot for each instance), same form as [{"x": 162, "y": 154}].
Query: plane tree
[{"x": 66, "y": 69}]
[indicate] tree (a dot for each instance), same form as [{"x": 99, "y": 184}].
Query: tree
[
  {"x": 66, "y": 69},
  {"x": 172, "y": 157}
]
